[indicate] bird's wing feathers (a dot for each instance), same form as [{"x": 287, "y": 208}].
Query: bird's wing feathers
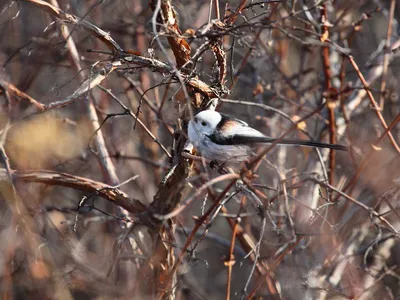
[{"x": 237, "y": 133}]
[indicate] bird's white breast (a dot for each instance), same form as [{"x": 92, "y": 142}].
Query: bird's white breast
[{"x": 193, "y": 133}]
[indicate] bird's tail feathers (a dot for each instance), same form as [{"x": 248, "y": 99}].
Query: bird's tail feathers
[
  {"x": 307, "y": 144},
  {"x": 295, "y": 142}
]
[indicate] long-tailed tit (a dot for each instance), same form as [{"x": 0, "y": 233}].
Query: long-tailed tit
[{"x": 224, "y": 138}]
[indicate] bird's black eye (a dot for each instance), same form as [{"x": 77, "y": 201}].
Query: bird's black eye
[{"x": 204, "y": 123}]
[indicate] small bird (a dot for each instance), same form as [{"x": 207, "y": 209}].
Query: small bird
[{"x": 219, "y": 137}]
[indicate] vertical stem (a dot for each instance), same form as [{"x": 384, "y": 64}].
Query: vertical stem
[
  {"x": 386, "y": 57},
  {"x": 103, "y": 155},
  {"x": 216, "y": 4},
  {"x": 231, "y": 257},
  {"x": 330, "y": 103}
]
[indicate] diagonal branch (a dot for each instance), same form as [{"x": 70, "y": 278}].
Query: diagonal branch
[
  {"x": 373, "y": 102},
  {"x": 12, "y": 89}
]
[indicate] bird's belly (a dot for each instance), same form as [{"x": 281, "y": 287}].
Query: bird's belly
[{"x": 224, "y": 153}]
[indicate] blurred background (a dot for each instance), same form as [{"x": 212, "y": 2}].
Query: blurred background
[{"x": 323, "y": 70}]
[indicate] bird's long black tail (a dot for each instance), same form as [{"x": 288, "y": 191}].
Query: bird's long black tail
[
  {"x": 239, "y": 139},
  {"x": 307, "y": 144}
]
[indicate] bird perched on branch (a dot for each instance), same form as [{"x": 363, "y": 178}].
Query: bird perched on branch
[{"x": 219, "y": 137}]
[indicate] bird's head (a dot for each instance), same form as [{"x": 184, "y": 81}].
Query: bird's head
[{"x": 204, "y": 123}]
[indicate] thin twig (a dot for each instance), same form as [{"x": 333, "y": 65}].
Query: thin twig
[{"x": 151, "y": 135}]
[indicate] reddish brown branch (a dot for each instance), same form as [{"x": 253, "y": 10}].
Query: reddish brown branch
[
  {"x": 179, "y": 46},
  {"x": 231, "y": 261},
  {"x": 330, "y": 101},
  {"x": 231, "y": 257},
  {"x": 374, "y": 103},
  {"x": 13, "y": 90}
]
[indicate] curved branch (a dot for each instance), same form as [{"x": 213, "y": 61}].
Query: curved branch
[{"x": 78, "y": 183}]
